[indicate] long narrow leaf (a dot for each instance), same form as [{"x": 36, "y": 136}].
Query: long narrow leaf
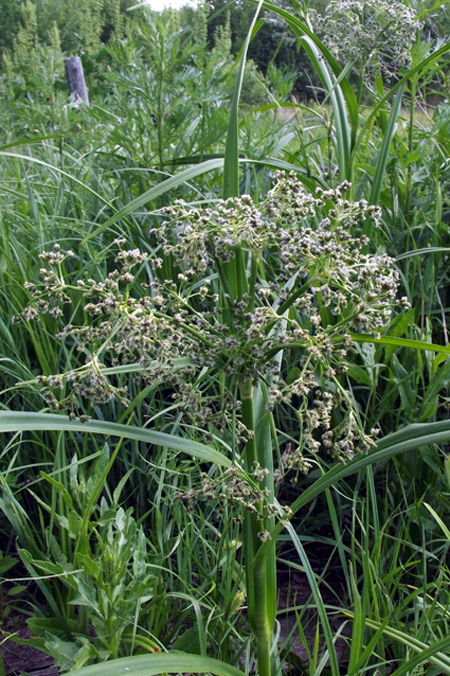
[
  {"x": 423, "y": 64},
  {"x": 231, "y": 162},
  {"x": 384, "y": 150},
  {"x": 409, "y": 438},
  {"x": 301, "y": 29},
  {"x": 160, "y": 189},
  {"x": 401, "y": 342},
  {"x": 420, "y": 252},
  {"x": 57, "y": 170},
  {"x": 431, "y": 653},
  {"x": 318, "y": 600},
  {"x": 12, "y": 421},
  {"x": 343, "y": 132}
]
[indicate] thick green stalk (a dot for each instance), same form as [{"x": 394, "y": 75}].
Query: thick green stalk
[
  {"x": 259, "y": 608},
  {"x": 264, "y": 454}
]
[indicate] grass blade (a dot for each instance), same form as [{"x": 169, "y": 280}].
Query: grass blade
[
  {"x": 160, "y": 189},
  {"x": 231, "y": 161},
  {"x": 431, "y": 653},
  {"x": 11, "y": 421},
  {"x": 384, "y": 151},
  {"x": 343, "y": 133},
  {"x": 301, "y": 29},
  {"x": 318, "y": 601},
  {"x": 401, "y": 342},
  {"x": 406, "y": 439}
]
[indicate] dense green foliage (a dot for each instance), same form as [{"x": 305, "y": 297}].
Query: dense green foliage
[
  {"x": 213, "y": 370},
  {"x": 85, "y": 26}
]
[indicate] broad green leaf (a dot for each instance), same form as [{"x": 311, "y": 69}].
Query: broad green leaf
[
  {"x": 86, "y": 595},
  {"x": 188, "y": 642},
  {"x": 404, "y": 381},
  {"x": 63, "y": 652},
  {"x": 59, "y": 487},
  {"x": 90, "y": 566},
  {"x": 12, "y": 421},
  {"x": 169, "y": 663},
  {"x": 41, "y": 625},
  {"x": 6, "y": 562},
  {"x": 17, "y": 589},
  {"x": 430, "y": 403}
]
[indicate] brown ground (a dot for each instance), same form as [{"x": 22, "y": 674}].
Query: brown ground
[{"x": 18, "y": 658}]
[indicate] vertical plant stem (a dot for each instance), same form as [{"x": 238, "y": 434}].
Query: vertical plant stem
[
  {"x": 256, "y": 575},
  {"x": 408, "y": 177}
]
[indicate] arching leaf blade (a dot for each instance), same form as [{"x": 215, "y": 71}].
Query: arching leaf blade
[{"x": 21, "y": 421}]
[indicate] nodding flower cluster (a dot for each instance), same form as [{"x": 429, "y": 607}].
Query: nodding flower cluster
[{"x": 309, "y": 285}]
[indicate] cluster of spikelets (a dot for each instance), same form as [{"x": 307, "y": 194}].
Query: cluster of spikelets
[{"x": 311, "y": 285}]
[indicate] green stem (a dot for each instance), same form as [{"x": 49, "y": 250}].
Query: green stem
[
  {"x": 296, "y": 294},
  {"x": 408, "y": 177},
  {"x": 159, "y": 124},
  {"x": 254, "y": 524},
  {"x": 187, "y": 328}
]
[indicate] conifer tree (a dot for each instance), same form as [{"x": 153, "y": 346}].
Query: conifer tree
[
  {"x": 84, "y": 26},
  {"x": 9, "y": 23},
  {"x": 8, "y": 72},
  {"x": 173, "y": 16},
  {"x": 200, "y": 22},
  {"x": 90, "y": 24}
]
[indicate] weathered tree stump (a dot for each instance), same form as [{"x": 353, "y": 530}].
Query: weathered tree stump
[{"x": 75, "y": 79}]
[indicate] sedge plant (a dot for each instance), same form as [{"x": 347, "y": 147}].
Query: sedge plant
[
  {"x": 262, "y": 300},
  {"x": 233, "y": 294}
]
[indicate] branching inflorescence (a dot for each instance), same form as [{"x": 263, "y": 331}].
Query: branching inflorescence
[{"x": 252, "y": 289}]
